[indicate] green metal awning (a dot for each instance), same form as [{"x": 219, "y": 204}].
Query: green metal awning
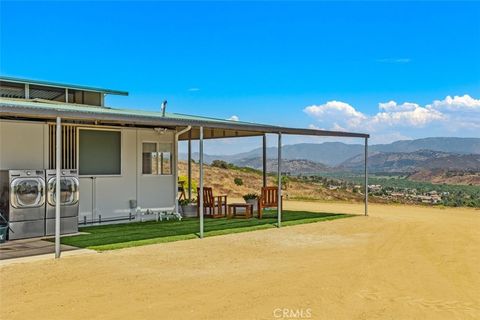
[{"x": 63, "y": 85}]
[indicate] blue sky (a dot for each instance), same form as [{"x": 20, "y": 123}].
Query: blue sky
[{"x": 382, "y": 67}]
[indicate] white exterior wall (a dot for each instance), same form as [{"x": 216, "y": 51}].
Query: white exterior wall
[
  {"x": 154, "y": 191},
  {"x": 109, "y": 196},
  {"x": 24, "y": 145}
]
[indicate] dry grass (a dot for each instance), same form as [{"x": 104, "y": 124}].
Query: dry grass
[
  {"x": 222, "y": 181},
  {"x": 446, "y": 177}
]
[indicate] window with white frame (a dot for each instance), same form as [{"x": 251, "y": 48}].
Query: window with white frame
[{"x": 156, "y": 158}]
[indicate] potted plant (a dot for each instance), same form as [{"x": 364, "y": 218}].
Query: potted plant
[
  {"x": 189, "y": 208},
  {"x": 252, "y": 198}
]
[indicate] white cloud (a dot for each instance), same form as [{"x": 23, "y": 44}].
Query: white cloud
[
  {"x": 341, "y": 113},
  {"x": 338, "y": 127},
  {"x": 416, "y": 117},
  {"x": 393, "y": 106},
  {"x": 463, "y": 112},
  {"x": 332, "y": 108},
  {"x": 460, "y": 114},
  {"x": 234, "y": 118},
  {"x": 457, "y": 103}
]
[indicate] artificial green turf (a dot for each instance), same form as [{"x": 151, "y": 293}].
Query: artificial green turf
[{"x": 109, "y": 237}]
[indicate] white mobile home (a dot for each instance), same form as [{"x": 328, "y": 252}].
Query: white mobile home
[{"x": 124, "y": 158}]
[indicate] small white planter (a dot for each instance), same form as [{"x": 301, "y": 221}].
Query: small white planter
[
  {"x": 254, "y": 202},
  {"x": 189, "y": 211}
]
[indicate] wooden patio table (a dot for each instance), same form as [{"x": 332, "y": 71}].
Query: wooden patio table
[{"x": 232, "y": 210}]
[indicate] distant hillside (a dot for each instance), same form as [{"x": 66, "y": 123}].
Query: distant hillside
[
  {"x": 335, "y": 153},
  {"x": 294, "y": 167},
  {"x": 329, "y": 153},
  {"x": 410, "y": 162},
  {"x": 237, "y": 181},
  {"x": 443, "y": 144},
  {"x": 442, "y": 176}
]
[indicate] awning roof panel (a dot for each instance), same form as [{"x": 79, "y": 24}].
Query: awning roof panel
[
  {"x": 63, "y": 85},
  {"x": 219, "y": 128}
]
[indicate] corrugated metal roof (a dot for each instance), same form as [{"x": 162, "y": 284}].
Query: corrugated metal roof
[
  {"x": 60, "y": 106},
  {"x": 63, "y": 85},
  {"x": 49, "y": 110}
]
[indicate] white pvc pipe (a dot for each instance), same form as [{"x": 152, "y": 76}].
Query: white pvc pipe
[
  {"x": 58, "y": 164},
  {"x": 200, "y": 196}
]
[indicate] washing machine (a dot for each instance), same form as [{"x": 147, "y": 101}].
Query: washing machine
[
  {"x": 69, "y": 196},
  {"x": 22, "y": 201}
]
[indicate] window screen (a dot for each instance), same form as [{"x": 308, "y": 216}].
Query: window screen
[{"x": 99, "y": 152}]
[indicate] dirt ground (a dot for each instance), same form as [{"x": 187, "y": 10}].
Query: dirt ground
[{"x": 401, "y": 262}]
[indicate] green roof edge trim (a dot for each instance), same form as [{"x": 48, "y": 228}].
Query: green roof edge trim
[
  {"x": 63, "y": 85},
  {"x": 25, "y": 108}
]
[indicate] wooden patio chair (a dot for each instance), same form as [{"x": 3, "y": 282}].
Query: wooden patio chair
[
  {"x": 213, "y": 206},
  {"x": 268, "y": 199}
]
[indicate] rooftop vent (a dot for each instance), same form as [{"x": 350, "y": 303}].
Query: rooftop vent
[{"x": 164, "y": 107}]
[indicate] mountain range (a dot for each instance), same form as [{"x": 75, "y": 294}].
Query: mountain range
[
  {"x": 333, "y": 154},
  {"x": 437, "y": 160},
  {"x": 294, "y": 166},
  {"x": 409, "y": 162}
]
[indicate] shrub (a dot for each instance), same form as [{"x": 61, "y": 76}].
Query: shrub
[
  {"x": 285, "y": 181},
  {"x": 250, "y": 196},
  {"x": 185, "y": 184},
  {"x": 186, "y": 202},
  {"x": 238, "y": 181},
  {"x": 220, "y": 164}
]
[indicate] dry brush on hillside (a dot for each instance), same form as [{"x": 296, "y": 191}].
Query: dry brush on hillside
[{"x": 222, "y": 182}]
